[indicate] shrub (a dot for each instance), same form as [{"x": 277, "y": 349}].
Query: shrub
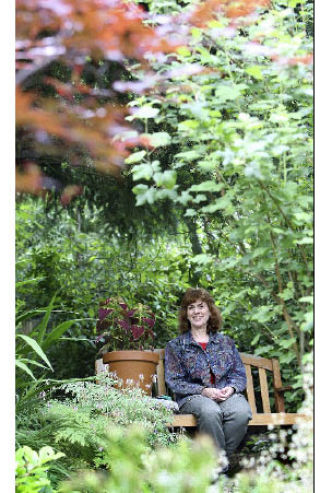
[
  {"x": 32, "y": 468},
  {"x": 78, "y": 422}
]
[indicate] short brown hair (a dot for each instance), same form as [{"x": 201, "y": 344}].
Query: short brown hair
[{"x": 192, "y": 295}]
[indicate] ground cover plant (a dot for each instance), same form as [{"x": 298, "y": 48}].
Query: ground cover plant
[
  {"x": 74, "y": 418},
  {"x": 172, "y": 148}
]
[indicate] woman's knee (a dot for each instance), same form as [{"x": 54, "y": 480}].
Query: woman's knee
[
  {"x": 210, "y": 414},
  {"x": 242, "y": 417}
]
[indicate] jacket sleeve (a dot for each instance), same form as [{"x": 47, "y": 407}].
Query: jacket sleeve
[
  {"x": 175, "y": 374},
  {"x": 236, "y": 377}
]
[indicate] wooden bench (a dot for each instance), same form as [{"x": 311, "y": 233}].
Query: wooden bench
[{"x": 253, "y": 365}]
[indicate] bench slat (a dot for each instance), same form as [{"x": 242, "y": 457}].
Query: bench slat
[
  {"x": 277, "y": 385},
  {"x": 250, "y": 391},
  {"x": 249, "y": 359},
  {"x": 161, "y": 386},
  {"x": 264, "y": 391},
  {"x": 258, "y": 419}
]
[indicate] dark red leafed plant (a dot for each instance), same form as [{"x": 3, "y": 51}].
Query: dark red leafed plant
[{"x": 122, "y": 328}]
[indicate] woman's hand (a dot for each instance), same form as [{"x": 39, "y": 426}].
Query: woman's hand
[{"x": 218, "y": 394}]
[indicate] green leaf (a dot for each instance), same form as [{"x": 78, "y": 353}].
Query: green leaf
[
  {"x": 144, "y": 194},
  {"x": 158, "y": 139},
  {"x": 166, "y": 179},
  {"x": 225, "y": 92},
  {"x": 29, "y": 281},
  {"x": 222, "y": 203},
  {"x": 201, "y": 259},
  {"x": 46, "y": 454},
  {"x": 255, "y": 71},
  {"x": 306, "y": 299},
  {"x": 189, "y": 155},
  {"x": 190, "y": 213},
  {"x": 57, "y": 332},
  {"x": 143, "y": 171},
  {"x": 32, "y": 362},
  {"x": 305, "y": 241},
  {"x": 135, "y": 157},
  {"x": 24, "y": 367},
  {"x": 255, "y": 339},
  {"x": 207, "y": 186},
  {"x": 37, "y": 349},
  {"x": 188, "y": 125},
  {"x": 286, "y": 343},
  {"x": 42, "y": 326},
  {"x": 29, "y": 314},
  {"x": 183, "y": 51}
]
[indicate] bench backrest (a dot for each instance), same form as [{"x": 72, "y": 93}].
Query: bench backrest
[{"x": 250, "y": 362}]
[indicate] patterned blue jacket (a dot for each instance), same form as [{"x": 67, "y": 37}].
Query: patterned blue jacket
[{"x": 187, "y": 365}]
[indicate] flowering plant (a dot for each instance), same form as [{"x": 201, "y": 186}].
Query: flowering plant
[{"x": 124, "y": 328}]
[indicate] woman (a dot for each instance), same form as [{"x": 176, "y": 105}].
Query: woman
[{"x": 204, "y": 370}]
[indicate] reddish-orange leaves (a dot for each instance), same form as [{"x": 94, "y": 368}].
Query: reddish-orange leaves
[
  {"x": 72, "y": 33},
  {"x": 211, "y": 9},
  {"x": 29, "y": 180},
  {"x": 285, "y": 60},
  {"x": 93, "y": 129}
]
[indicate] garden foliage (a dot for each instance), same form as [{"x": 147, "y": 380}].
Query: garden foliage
[
  {"x": 77, "y": 420},
  {"x": 237, "y": 160},
  {"x": 201, "y": 113}
]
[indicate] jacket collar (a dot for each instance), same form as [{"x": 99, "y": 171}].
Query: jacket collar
[{"x": 188, "y": 340}]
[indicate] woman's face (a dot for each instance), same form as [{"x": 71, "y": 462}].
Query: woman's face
[{"x": 198, "y": 314}]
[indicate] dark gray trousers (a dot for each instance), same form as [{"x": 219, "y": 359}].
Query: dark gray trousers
[{"x": 226, "y": 422}]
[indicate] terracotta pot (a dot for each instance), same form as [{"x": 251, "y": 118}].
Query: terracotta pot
[{"x": 130, "y": 365}]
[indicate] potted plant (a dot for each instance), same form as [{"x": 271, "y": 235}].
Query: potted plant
[{"x": 128, "y": 338}]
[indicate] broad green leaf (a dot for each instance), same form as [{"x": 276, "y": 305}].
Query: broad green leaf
[
  {"x": 207, "y": 186},
  {"x": 158, "y": 139},
  {"x": 221, "y": 203},
  {"x": 255, "y": 71},
  {"x": 225, "y": 92},
  {"x": 135, "y": 157},
  {"x": 189, "y": 155},
  {"x": 166, "y": 179},
  {"x": 199, "y": 198},
  {"x": 306, "y": 299},
  {"x": 188, "y": 125},
  {"x": 143, "y": 171},
  {"x": 190, "y": 213},
  {"x": 183, "y": 51},
  {"x": 47, "y": 454},
  {"x": 37, "y": 349},
  {"x": 305, "y": 241},
  {"x": 184, "y": 197},
  {"x": 144, "y": 194},
  {"x": 201, "y": 259},
  {"x": 286, "y": 343}
]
